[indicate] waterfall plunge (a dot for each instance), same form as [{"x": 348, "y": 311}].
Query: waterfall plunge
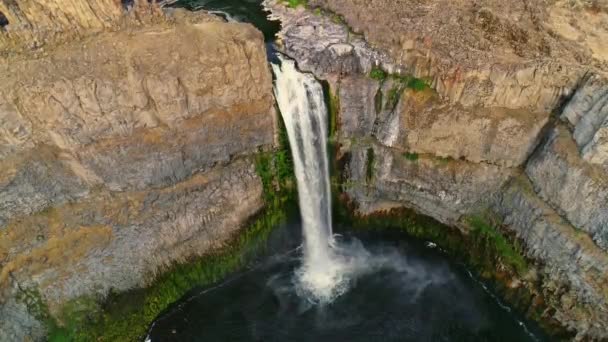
[{"x": 326, "y": 267}]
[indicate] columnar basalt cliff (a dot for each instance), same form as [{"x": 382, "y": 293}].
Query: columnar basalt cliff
[
  {"x": 463, "y": 110},
  {"x": 123, "y": 151}
]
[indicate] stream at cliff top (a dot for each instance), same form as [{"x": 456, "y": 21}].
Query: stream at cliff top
[{"x": 313, "y": 285}]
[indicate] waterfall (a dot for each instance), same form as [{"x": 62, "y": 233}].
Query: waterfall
[{"x": 301, "y": 101}]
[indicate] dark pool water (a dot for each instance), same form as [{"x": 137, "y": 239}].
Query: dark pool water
[{"x": 427, "y": 297}]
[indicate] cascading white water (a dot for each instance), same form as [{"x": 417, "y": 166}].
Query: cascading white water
[{"x": 300, "y": 99}]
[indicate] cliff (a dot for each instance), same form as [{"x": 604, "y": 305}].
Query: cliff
[
  {"x": 123, "y": 151},
  {"x": 462, "y": 110}
]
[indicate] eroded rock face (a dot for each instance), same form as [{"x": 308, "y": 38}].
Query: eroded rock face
[
  {"x": 494, "y": 53},
  {"x": 124, "y": 153},
  {"x": 577, "y": 270},
  {"x": 34, "y": 23},
  {"x": 485, "y": 134},
  {"x": 575, "y": 188},
  {"x": 381, "y": 178},
  {"x": 587, "y": 112}
]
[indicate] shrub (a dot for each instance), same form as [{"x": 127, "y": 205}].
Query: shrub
[
  {"x": 411, "y": 156},
  {"x": 378, "y": 74}
]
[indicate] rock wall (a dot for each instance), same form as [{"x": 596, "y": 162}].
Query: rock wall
[
  {"x": 31, "y": 24},
  {"x": 511, "y": 121},
  {"x": 123, "y": 153}
]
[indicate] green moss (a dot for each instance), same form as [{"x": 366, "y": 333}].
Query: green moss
[
  {"x": 505, "y": 251},
  {"x": 36, "y": 306},
  {"x": 402, "y": 81},
  {"x": 444, "y": 160},
  {"x": 417, "y": 84},
  {"x": 411, "y": 156},
  {"x": 393, "y": 97},
  {"x": 294, "y": 3},
  {"x": 378, "y": 74},
  {"x": 338, "y": 19}
]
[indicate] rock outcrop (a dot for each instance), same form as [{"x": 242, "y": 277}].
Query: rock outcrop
[
  {"x": 32, "y": 24},
  {"x": 124, "y": 151},
  {"x": 454, "y": 108}
]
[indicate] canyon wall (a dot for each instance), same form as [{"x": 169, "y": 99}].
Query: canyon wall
[
  {"x": 461, "y": 110},
  {"x": 123, "y": 150}
]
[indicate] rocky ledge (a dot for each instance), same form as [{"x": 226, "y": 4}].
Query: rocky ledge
[
  {"x": 123, "y": 151},
  {"x": 461, "y": 112}
]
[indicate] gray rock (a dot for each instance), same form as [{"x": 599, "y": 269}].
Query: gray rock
[
  {"x": 576, "y": 189},
  {"x": 588, "y": 113},
  {"x": 569, "y": 258},
  {"x": 443, "y": 189}
]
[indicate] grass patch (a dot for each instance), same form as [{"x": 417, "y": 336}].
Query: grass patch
[
  {"x": 294, "y": 3},
  {"x": 393, "y": 97},
  {"x": 411, "y": 156},
  {"x": 403, "y": 81},
  {"x": 417, "y": 84},
  {"x": 505, "y": 251},
  {"x": 444, "y": 160},
  {"x": 378, "y": 74}
]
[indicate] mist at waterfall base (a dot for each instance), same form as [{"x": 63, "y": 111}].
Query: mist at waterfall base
[{"x": 314, "y": 285}]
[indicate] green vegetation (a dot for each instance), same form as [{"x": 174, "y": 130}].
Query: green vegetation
[
  {"x": 399, "y": 84},
  {"x": 504, "y": 251},
  {"x": 393, "y": 97},
  {"x": 411, "y": 156},
  {"x": 338, "y": 19},
  {"x": 378, "y": 74},
  {"x": 417, "y": 84},
  {"x": 403, "y": 81},
  {"x": 444, "y": 160},
  {"x": 294, "y": 3}
]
